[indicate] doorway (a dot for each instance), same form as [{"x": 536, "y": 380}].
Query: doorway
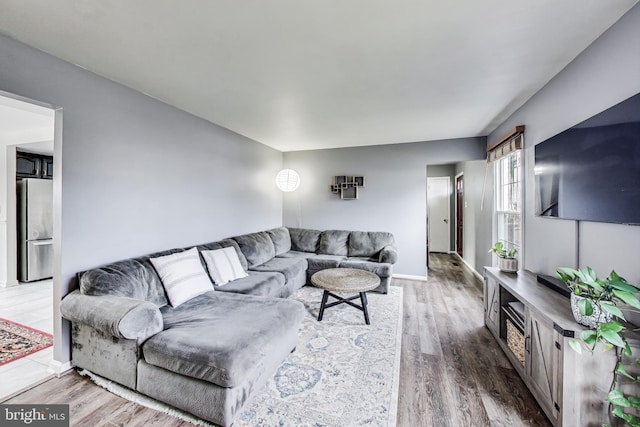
[
  {"x": 29, "y": 127},
  {"x": 460, "y": 214},
  {"x": 438, "y": 214}
]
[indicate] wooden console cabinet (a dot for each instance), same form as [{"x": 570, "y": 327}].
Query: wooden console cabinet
[{"x": 570, "y": 387}]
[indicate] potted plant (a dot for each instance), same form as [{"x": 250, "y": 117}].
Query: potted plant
[
  {"x": 507, "y": 260},
  {"x": 597, "y": 305},
  {"x": 594, "y": 300}
]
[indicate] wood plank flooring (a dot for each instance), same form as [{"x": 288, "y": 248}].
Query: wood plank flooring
[{"x": 452, "y": 371}]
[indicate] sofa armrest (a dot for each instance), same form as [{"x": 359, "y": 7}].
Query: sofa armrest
[
  {"x": 389, "y": 254},
  {"x": 119, "y": 317}
]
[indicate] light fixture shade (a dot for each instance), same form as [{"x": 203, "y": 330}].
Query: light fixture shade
[{"x": 287, "y": 180}]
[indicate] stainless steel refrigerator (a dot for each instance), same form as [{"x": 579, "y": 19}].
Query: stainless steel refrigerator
[{"x": 35, "y": 229}]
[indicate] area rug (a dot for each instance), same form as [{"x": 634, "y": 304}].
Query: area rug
[
  {"x": 17, "y": 341},
  {"x": 343, "y": 372}
]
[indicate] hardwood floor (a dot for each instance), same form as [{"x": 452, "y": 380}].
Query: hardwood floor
[{"x": 452, "y": 371}]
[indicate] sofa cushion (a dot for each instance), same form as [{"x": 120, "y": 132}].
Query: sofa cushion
[
  {"x": 260, "y": 283},
  {"x": 368, "y": 243},
  {"x": 334, "y": 242},
  {"x": 379, "y": 268},
  {"x": 322, "y": 262},
  {"x": 221, "y": 337},
  {"x": 223, "y": 265},
  {"x": 257, "y": 247},
  {"x": 296, "y": 254},
  {"x": 281, "y": 239},
  {"x": 182, "y": 275},
  {"x": 224, "y": 244},
  {"x": 133, "y": 278},
  {"x": 292, "y": 268},
  {"x": 304, "y": 240}
]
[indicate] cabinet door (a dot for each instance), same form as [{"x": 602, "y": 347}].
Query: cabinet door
[
  {"x": 47, "y": 167},
  {"x": 492, "y": 304},
  {"x": 27, "y": 165},
  {"x": 541, "y": 363}
]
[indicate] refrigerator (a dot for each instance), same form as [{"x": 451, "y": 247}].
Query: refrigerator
[{"x": 35, "y": 229}]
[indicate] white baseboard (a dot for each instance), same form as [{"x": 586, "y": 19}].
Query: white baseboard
[
  {"x": 473, "y": 270},
  {"x": 409, "y": 277},
  {"x": 59, "y": 368}
]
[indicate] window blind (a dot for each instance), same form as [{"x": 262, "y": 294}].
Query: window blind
[{"x": 510, "y": 142}]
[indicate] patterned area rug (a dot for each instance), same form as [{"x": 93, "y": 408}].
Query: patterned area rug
[
  {"x": 17, "y": 341},
  {"x": 343, "y": 372}
]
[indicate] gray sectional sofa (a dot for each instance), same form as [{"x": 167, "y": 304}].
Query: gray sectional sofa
[{"x": 209, "y": 355}]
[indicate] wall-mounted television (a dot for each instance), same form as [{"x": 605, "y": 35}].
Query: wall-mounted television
[{"x": 591, "y": 172}]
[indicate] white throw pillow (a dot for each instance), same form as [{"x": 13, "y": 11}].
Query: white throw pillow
[
  {"x": 223, "y": 265},
  {"x": 182, "y": 276}
]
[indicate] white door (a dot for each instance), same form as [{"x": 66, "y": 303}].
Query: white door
[{"x": 438, "y": 202}]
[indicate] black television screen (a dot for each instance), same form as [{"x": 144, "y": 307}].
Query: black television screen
[{"x": 591, "y": 171}]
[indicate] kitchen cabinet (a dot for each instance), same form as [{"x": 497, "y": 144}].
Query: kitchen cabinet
[
  {"x": 47, "y": 167},
  {"x": 31, "y": 165}
]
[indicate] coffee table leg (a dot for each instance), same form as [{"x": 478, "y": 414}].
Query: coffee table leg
[
  {"x": 325, "y": 295},
  {"x": 363, "y": 300}
]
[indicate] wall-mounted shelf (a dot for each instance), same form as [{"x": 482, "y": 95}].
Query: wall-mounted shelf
[{"x": 346, "y": 186}]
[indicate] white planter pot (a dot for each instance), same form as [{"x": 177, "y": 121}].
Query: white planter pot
[
  {"x": 592, "y": 321},
  {"x": 508, "y": 265}
]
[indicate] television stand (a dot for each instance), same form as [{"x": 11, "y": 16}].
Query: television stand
[{"x": 532, "y": 324}]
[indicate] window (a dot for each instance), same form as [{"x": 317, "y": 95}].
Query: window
[{"x": 508, "y": 200}]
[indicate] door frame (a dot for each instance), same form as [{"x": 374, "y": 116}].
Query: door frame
[
  {"x": 448, "y": 178},
  {"x": 61, "y": 331},
  {"x": 457, "y": 178}
]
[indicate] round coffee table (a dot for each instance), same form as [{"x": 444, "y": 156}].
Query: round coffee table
[{"x": 345, "y": 280}]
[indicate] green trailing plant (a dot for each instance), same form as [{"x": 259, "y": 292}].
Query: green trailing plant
[
  {"x": 500, "y": 250},
  {"x": 607, "y": 294}
]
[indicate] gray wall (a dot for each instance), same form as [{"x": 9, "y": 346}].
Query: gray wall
[
  {"x": 138, "y": 175},
  {"x": 604, "y": 74},
  {"x": 478, "y": 213},
  {"x": 395, "y": 196}
]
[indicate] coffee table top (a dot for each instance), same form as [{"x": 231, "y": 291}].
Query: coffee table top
[{"x": 345, "y": 280}]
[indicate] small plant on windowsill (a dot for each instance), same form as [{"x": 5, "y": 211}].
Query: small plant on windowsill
[
  {"x": 507, "y": 260},
  {"x": 595, "y": 304}
]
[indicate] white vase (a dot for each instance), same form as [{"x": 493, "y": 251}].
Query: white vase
[
  {"x": 508, "y": 265},
  {"x": 596, "y": 317}
]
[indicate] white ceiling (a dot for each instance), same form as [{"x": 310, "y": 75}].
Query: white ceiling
[{"x": 306, "y": 74}]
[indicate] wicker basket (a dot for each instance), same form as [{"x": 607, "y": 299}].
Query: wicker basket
[{"x": 515, "y": 341}]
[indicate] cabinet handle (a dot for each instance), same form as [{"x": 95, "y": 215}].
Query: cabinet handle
[{"x": 526, "y": 344}]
